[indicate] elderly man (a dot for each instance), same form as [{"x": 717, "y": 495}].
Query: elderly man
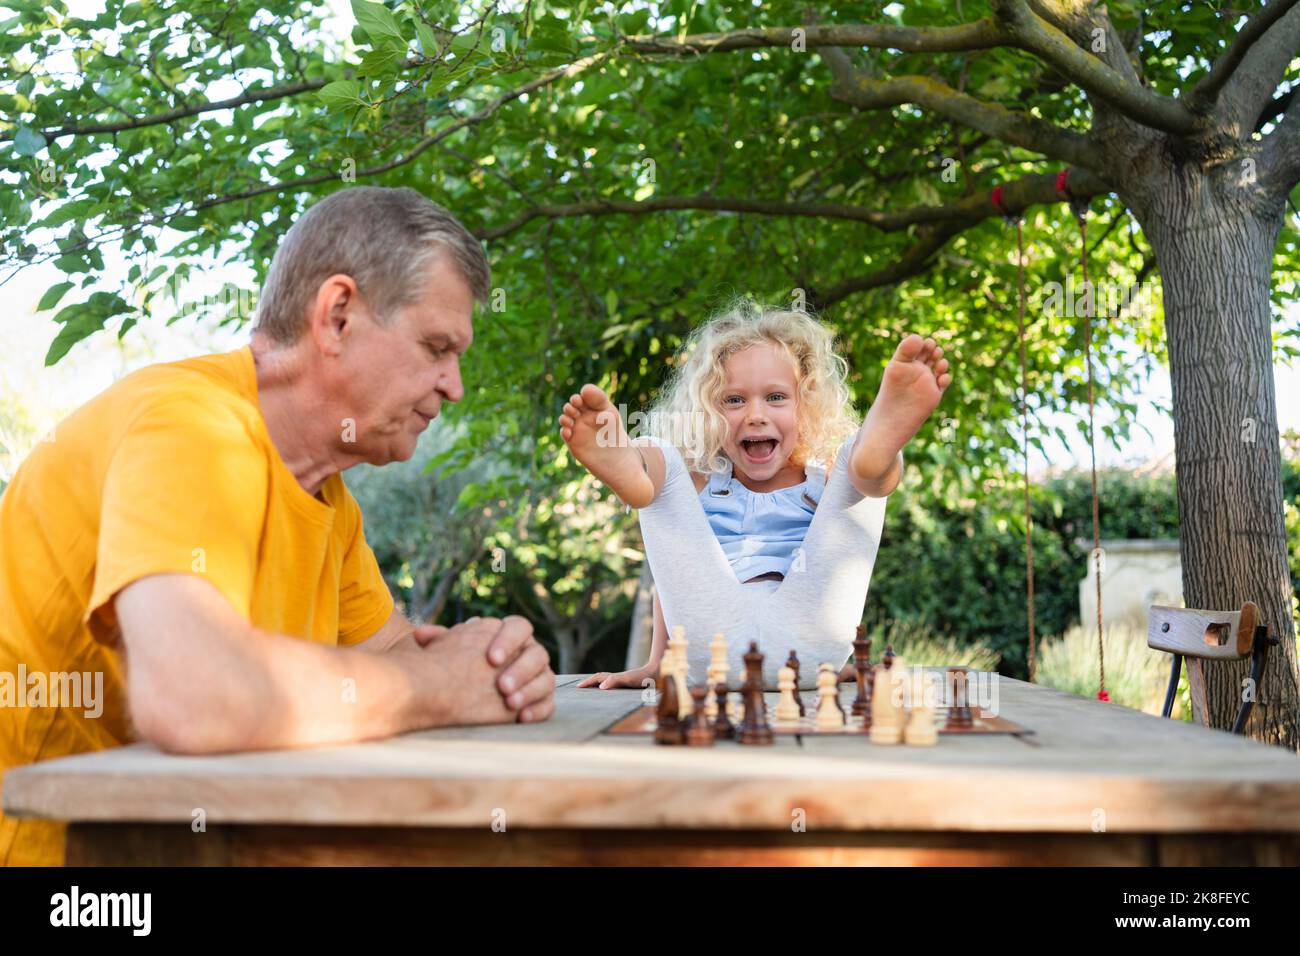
[{"x": 187, "y": 534}]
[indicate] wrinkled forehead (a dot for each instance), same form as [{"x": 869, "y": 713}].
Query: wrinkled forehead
[{"x": 444, "y": 310}]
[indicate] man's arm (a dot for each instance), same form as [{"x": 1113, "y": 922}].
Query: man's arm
[
  {"x": 393, "y": 633},
  {"x": 526, "y": 682},
  {"x": 201, "y": 679}
]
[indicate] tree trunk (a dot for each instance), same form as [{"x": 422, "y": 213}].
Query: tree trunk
[
  {"x": 566, "y": 641},
  {"x": 1214, "y": 244}
]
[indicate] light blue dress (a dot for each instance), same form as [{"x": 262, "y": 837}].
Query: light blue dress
[{"x": 761, "y": 532}]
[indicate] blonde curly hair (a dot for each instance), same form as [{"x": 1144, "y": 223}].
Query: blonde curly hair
[{"x": 688, "y": 410}]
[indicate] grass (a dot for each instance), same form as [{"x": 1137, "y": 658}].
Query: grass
[
  {"x": 919, "y": 646},
  {"x": 1136, "y": 676}
]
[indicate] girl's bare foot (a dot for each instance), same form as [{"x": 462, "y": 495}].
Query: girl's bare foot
[
  {"x": 593, "y": 430},
  {"x": 914, "y": 381}
]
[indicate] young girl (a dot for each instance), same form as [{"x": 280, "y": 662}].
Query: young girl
[{"x": 745, "y": 530}]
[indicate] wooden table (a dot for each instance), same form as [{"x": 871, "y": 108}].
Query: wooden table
[{"x": 1095, "y": 784}]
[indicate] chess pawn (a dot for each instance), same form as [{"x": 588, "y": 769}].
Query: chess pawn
[
  {"x": 825, "y": 667},
  {"x": 829, "y": 714},
  {"x": 793, "y": 663},
  {"x": 921, "y": 730},
  {"x": 886, "y": 714},
  {"x": 711, "y": 698},
  {"x": 700, "y": 734},
  {"x": 669, "y": 729},
  {"x": 723, "y": 728},
  {"x": 787, "y": 709}
]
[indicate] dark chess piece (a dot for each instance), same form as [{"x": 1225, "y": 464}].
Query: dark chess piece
[
  {"x": 669, "y": 729},
  {"x": 959, "y": 715},
  {"x": 723, "y": 728},
  {"x": 862, "y": 665},
  {"x": 754, "y": 728},
  {"x": 700, "y": 733},
  {"x": 793, "y": 663}
]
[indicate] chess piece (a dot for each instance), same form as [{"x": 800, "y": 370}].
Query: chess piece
[
  {"x": 886, "y": 713},
  {"x": 792, "y": 662},
  {"x": 700, "y": 733},
  {"x": 718, "y": 656},
  {"x": 920, "y": 730},
  {"x": 824, "y": 666},
  {"x": 754, "y": 728},
  {"x": 678, "y": 648},
  {"x": 959, "y": 715},
  {"x": 787, "y": 710},
  {"x": 829, "y": 714},
  {"x": 717, "y": 674},
  {"x": 723, "y": 728},
  {"x": 862, "y": 665},
  {"x": 735, "y": 705},
  {"x": 668, "y": 730}
]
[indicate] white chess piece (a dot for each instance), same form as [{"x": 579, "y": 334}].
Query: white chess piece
[
  {"x": 829, "y": 715},
  {"x": 921, "y": 729},
  {"x": 886, "y": 713},
  {"x": 787, "y": 709},
  {"x": 677, "y": 646},
  {"x": 717, "y": 674}
]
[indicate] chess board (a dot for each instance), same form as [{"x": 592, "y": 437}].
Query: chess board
[{"x": 642, "y": 721}]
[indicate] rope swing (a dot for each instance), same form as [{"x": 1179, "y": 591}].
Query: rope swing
[{"x": 1080, "y": 210}]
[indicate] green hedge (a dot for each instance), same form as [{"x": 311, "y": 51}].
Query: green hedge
[{"x": 962, "y": 571}]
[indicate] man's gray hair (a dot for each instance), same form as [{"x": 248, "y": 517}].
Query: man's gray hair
[{"x": 385, "y": 239}]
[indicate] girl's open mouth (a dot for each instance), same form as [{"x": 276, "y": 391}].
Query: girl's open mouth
[{"x": 759, "y": 450}]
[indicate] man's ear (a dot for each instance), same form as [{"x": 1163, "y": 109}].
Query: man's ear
[{"x": 333, "y": 312}]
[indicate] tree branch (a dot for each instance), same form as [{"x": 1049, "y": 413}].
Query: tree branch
[
  {"x": 913, "y": 262},
  {"x": 156, "y": 119},
  {"x": 1259, "y": 68},
  {"x": 856, "y": 88},
  {"x": 1019, "y": 28},
  {"x": 1206, "y": 92},
  {"x": 888, "y": 220},
  {"x": 430, "y": 140},
  {"x": 1029, "y": 191},
  {"x": 979, "y": 35},
  {"x": 1090, "y": 74},
  {"x": 1038, "y": 189},
  {"x": 1281, "y": 159},
  {"x": 1274, "y": 108}
]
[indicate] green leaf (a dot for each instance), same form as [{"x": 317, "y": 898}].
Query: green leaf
[
  {"x": 428, "y": 42},
  {"x": 376, "y": 20},
  {"x": 26, "y": 84},
  {"x": 83, "y": 319},
  {"x": 71, "y": 262},
  {"x": 381, "y": 60},
  {"x": 341, "y": 94},
  {"x": 28, "y": 142},
  {"x": 52, "y": 296}
]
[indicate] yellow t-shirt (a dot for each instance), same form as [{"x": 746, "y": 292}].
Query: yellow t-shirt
[{"x": 171, "y": 470}]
